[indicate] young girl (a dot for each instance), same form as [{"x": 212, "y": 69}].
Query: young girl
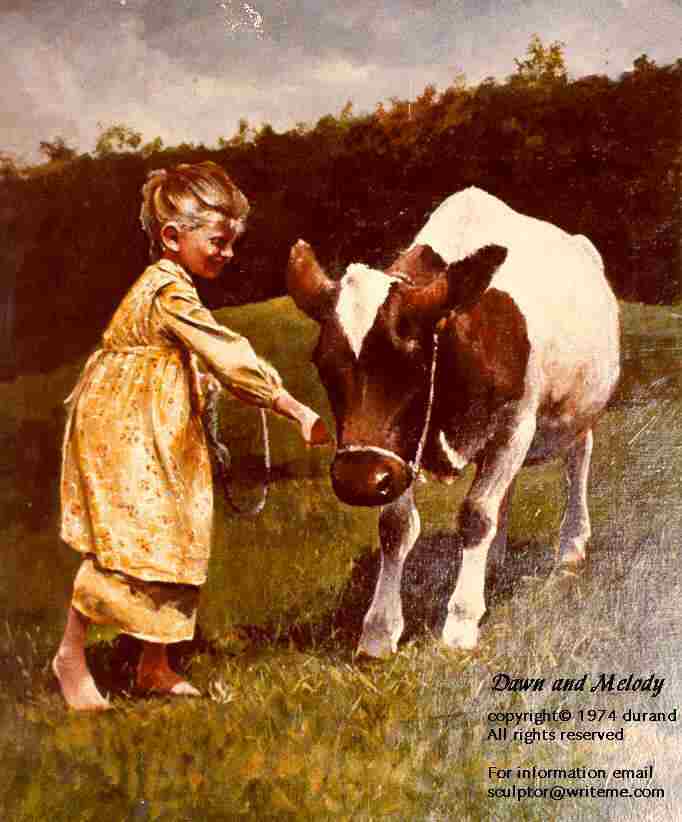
[{"x": 136, "y": 476}]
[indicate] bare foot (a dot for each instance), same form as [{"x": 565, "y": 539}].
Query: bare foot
[
  {"x": 162, "y": 680},
  {"x": 77, "y": 685}
]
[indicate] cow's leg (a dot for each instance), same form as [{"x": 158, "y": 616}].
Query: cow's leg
[
  {"x": 383, "y": 624},
  {"x": 498, "y": 547},
  {"x": 479, "y": 518},
  {"x": 575, "y": 526}
]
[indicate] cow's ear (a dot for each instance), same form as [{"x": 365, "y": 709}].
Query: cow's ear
[
  {"x": 308, "y": 285},
  {"x": 470, "y": 277},
  {"x": 421, "y": 264},
  {"x": 461, "y": 287}
]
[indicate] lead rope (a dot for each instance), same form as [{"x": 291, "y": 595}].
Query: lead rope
[
  {"x": 416, "y": 462},
  {"x": 222, "y": 459}
]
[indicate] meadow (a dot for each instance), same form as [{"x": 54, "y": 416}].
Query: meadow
[{"x": 291, "y": 725}]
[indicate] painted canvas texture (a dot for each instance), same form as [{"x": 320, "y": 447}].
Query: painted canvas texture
[{"x": 347, "y": 127}]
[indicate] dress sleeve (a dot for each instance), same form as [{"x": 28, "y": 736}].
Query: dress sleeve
[{"x": 228, "y": 355}]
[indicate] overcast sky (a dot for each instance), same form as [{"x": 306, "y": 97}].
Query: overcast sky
[{"x": 187, "y": 70}]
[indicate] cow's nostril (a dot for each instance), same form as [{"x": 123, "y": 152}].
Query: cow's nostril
[{"x": 384, "y": 483}]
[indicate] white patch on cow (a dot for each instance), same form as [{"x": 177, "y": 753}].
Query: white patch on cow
[
  {"x": 575, "y": 526},
  {"x": 363, "y": 291},
  {"x": 556, "y": 281},
  {"x": 383, "y": 624},
  {"x": 456, "y": 460},
  {"x": 486, "y": 494}
]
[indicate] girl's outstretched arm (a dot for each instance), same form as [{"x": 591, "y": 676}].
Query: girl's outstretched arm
[{"x": 230, "y": 357}]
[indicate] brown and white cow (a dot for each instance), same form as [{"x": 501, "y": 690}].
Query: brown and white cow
[{"x": 494, "y": 340}]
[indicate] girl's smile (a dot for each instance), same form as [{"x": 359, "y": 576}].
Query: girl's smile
[{"x": 204, "y": 250}]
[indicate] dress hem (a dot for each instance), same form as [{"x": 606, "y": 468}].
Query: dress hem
[{"x": 136, "y": 573}]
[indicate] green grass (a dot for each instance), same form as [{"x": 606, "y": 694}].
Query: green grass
[{"x": 291, "y": 725}]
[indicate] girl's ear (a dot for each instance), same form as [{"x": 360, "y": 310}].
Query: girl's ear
[{"x": 170, "y": 236}]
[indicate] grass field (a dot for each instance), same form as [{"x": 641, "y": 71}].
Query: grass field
[{"x": 291, "y": 725}]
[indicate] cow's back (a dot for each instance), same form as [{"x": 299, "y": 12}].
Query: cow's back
[{"x": 557, "y": 282}]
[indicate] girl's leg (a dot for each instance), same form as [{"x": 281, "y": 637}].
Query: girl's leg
[
  {"x": 69, "y": 666},
  {"x": 155, "y": 674}
]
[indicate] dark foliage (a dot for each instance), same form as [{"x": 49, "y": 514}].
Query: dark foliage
[{"x": 596, "y": 156}]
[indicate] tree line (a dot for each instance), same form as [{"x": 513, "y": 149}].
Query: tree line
[{"x": 595, "y": 155}]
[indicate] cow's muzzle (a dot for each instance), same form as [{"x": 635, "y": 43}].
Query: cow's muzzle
[{"x": 369, "y": 475}]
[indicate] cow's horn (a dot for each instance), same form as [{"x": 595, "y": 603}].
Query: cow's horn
[
  {"x": 461, "y": 287},
  {"x": 308, "y": 285}
]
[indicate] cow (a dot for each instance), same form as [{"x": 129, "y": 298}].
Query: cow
[{"x": 493, "y": 340}]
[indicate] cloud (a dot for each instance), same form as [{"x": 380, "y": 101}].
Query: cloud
[{"x": 187, "y": 70}]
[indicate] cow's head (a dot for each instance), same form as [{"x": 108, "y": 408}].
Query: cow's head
[{"x": 374, "y": 355}]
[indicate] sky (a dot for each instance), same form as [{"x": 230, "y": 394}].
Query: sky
[{"x": 188, "y": 70}]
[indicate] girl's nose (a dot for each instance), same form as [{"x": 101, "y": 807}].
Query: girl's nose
[{"x": 227, "y": 253}]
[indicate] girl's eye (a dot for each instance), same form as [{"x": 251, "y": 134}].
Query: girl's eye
[{"x": 222, "y": 242}]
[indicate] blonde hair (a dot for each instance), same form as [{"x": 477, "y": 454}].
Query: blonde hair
[{"x": 187, "y": 194}]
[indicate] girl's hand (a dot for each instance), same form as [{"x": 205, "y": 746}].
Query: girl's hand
[
  {"x": 316, "y": 433},
  {"x": 312, "y": 427}
]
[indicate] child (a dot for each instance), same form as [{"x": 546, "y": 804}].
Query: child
[{"x": 136, "y": 476}]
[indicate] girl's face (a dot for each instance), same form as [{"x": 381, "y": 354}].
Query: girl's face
[{"x": 205, "y": 250}]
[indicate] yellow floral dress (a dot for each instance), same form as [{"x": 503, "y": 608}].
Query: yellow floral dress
[{"x": 136, "y": 486}]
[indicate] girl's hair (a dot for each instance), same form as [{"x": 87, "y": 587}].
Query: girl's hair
[{"x": 187, "y": 194}]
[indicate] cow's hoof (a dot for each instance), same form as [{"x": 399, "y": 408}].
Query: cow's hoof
[
  {"x": 376, "y": 646},
  {"x": 460, "y": 633}
]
